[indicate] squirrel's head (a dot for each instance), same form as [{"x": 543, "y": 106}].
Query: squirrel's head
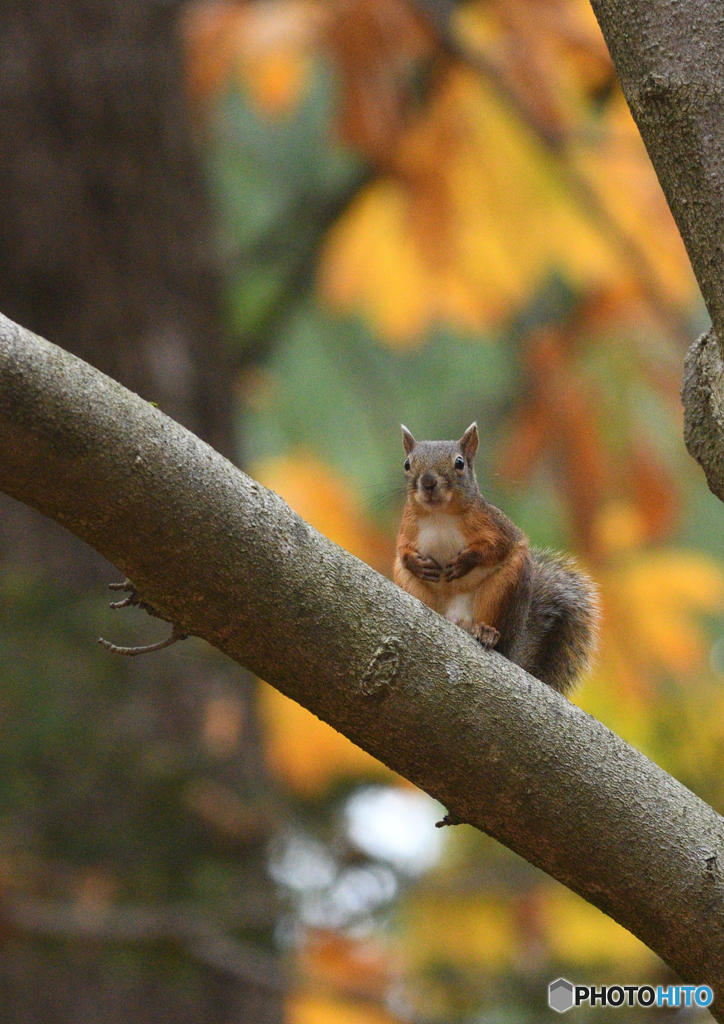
[{"x": 437, "y": 471}]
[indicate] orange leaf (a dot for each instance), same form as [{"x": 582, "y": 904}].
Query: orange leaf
[{"x": 329, "y": 503}]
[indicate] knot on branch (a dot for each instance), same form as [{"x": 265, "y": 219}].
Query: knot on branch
[
  {"x": 658, "y": 86},
  {"x": 382, "y": 670},
  {"x": 703, "y": 396}
]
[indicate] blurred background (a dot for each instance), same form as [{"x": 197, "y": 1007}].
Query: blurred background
[{"x": 293, "y": 225}]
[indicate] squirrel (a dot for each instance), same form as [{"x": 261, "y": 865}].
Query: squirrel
[{"x": 468, "y": 561}]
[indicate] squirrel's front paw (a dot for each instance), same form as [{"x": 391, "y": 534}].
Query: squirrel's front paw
[
  {"x": 488, "y": 636},
  {"x": 424, "y": 568},
  {"x": 461, "y": 565},
  {"x": 452, "y": 571}
]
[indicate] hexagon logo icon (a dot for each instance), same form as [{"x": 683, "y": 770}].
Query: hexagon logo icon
[{"x": 560, "y": 995}]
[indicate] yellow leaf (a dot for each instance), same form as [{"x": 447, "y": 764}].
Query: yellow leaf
[
  {"x": 305, "y": 752},
  {"x": 328, "y": 502},
  {"x": 579, "y": 933},
  {"x": 480, "y": 213},
  {"x": 619, "y": 527},
  {"x": 620, "y": 173},
  {"x": 704, "y": 719},
  {"x": 309, "y": 1009},
  {"x": 652, "y": 607},
  {"x": 505, "y": 222},
  {"x": 475, "y": 931},
  {"x": 371, "y": 260},
  {"x": 662, "y": 595},
  {"x": 617, "y": 692}
]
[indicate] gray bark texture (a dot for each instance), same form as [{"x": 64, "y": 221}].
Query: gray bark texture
[
  {"x": 669, "y": 57},
  {"x": 217, "y": 554}
]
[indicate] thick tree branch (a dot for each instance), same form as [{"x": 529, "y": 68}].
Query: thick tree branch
[
  {"x": 670, "y": 59},
  {"x": 228, "y": 561}
]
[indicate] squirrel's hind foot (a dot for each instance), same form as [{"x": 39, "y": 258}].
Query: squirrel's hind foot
[{"x": 486, "y": 635}]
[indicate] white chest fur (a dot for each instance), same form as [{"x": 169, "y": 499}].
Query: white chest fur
[
  {"x": 440, "y": 537},
  {"x": 459, "y": 608}
]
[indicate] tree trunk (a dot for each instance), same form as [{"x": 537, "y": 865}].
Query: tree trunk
[
  {"x": 106, "y": 243},
  {"x": 106, "y": 246}
]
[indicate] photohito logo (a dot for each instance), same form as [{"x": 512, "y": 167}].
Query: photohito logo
[{"x": 563, "y": 994}]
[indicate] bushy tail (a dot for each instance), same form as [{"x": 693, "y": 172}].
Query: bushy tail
[{"x": 562, "y": 622}]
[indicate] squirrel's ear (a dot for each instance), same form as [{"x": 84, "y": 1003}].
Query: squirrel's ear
[
  {"x": 469, "y": 442},
  {"x": 408, "y": 441}
]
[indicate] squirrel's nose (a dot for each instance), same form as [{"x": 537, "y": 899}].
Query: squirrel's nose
[{"x": 428, "y": 481}]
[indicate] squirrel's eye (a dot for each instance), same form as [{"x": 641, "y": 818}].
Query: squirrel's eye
[
  {"x": 459, "y": 462},
  {"x": 407, "y": 465}
]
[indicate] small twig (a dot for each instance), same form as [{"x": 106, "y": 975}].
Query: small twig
[
  {"x": 449, "y": 819},
  {"x": 131, "y": 652},
  {"x": 134, "y": 598}
]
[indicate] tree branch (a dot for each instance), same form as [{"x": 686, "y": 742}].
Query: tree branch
[
  {"x": 227, "y": 560},
  {"x": 670, "y": 60},
  {"x": 669, "y": 57},
  {"x": 703, "y": 397}
]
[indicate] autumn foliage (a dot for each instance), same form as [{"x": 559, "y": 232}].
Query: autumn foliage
[{"x": 505, "y": 252}]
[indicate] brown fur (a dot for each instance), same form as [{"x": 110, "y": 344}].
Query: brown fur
[{"x": 468, "y": 561}]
